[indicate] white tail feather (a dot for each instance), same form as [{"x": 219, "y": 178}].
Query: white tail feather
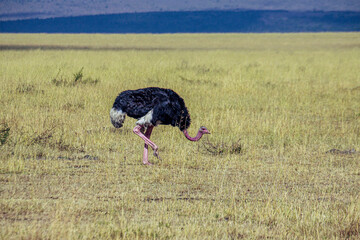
[{"x": 117, "y": 117}]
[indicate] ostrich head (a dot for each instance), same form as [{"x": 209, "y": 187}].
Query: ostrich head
[{"x": 202, "y": 131}]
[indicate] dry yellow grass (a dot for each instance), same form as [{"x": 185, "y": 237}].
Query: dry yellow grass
[{"x": 276, "y": 105}]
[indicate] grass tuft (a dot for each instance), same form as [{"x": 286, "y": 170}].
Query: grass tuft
[
  {"x": 78, "y": 78},
  {"x": 4, "y": 133},
  {"x": 222, "y": 147}
]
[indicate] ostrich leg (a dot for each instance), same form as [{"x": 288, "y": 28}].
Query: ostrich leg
[
  {"x": 137, "y": 131},
  {"x": 145, "y": 156}
]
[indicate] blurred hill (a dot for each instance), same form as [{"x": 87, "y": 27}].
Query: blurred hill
[
  {"x": 27, "y": 9},
  {"x": 193, "y": 22}
]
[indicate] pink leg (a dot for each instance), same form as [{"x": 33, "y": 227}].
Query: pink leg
[
  {"x": 137, "y": 131},
  {"x": 145, "y": 156}
]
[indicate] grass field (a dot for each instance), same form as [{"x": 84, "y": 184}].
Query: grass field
[{"x": 282, "y": 162}]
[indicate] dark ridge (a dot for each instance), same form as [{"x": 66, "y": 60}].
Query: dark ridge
[
  {"x": 87, "y": 48},
  {"x": 15, "y": 47},
  {"x": 193, "y": 22}
]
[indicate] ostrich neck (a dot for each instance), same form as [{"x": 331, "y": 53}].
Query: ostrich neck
[{"x": 196, "y": 138}]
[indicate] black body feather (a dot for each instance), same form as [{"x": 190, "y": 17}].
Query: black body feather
[{"x": 168, "y": 107}]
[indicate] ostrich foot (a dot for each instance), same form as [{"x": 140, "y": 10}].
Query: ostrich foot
[
  {"x": 145, "y": 156},
  {"x": 156, "y": 153},
  {"x": 147, "y": 163}
]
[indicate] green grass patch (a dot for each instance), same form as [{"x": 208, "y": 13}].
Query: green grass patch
[{"x": 282, "y": 160}]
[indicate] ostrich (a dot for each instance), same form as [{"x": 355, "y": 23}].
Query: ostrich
[{"x": 152, "y": 106}]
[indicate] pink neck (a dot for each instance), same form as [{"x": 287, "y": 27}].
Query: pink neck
[{"x": 196, "y": 138}]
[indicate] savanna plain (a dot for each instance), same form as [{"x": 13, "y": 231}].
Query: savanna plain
[{"x": 282, "y": 160}]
